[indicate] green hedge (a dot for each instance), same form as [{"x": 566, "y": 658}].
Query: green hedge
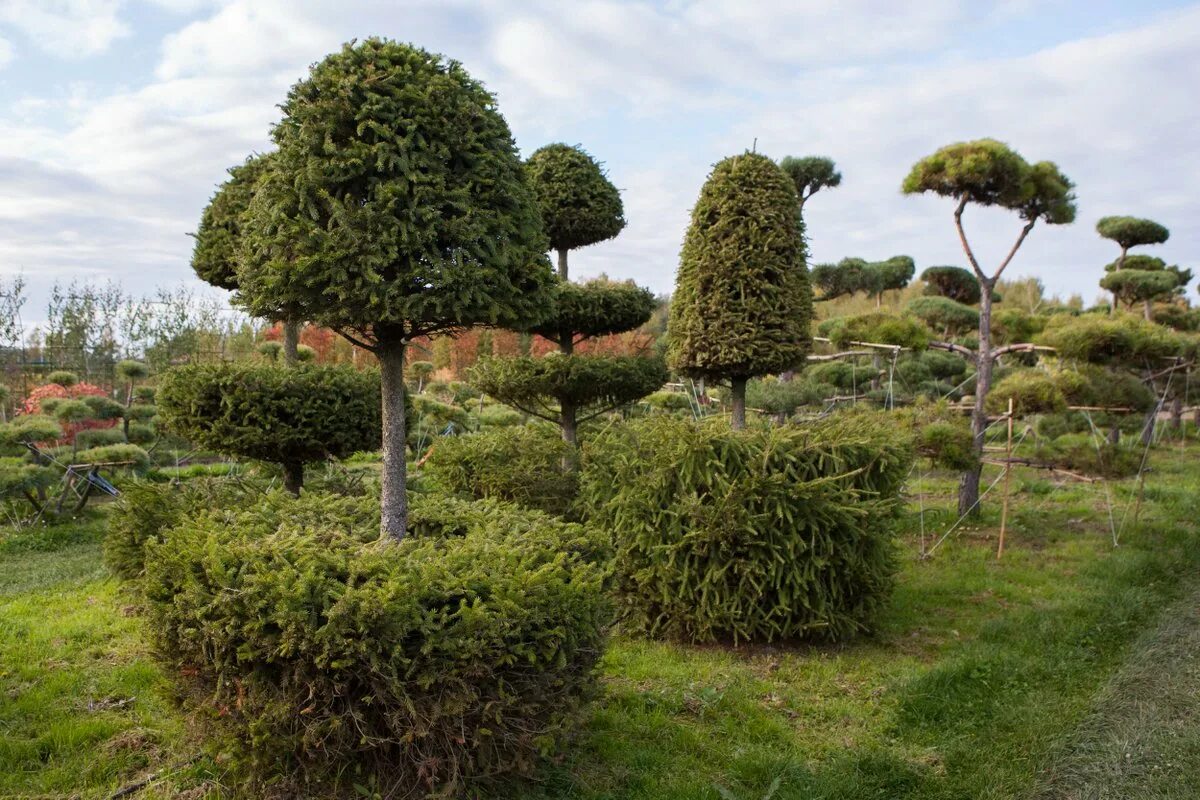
[
  {"x": 521, "y": 464},
  {"x": 767, "y": 534},
  {"x": 332, "y": 658}
]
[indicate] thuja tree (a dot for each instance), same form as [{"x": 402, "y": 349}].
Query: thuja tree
[
  {"x": 398, "y": 207},
  {"x": 810, "y": 174},
  {"x": 742, "y": 304},
  {"x": 854, "y": 275},
  {"x": 578, "y": 203},
  {"x": 989, "y": 173},
  {"x": 568, "y": 388},
  {"x": 1127, "y": 233},
  {"x": 214, "y": 258},
  {"x": 1143, "y": 279}
]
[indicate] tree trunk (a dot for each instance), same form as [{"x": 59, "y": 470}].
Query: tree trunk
[
  {"x": 567, "y": 420},
  {"x": 1120, "y": 263},
  {"x": 291, "y": 343},
  {"x": 1148, "y": 310},
  {"x": 293, "y": 477},
  {"x": 562, "y": 264},
  {"x": 1177, "y": 414},
  {"x": 394, "y": 500},
  {"x": 968, "y": 485},
  {"x": 739, "y": 404}
]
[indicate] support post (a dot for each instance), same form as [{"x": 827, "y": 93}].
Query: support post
[{"x": 1007, "y": 474}]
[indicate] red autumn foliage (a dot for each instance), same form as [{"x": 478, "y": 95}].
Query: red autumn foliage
[{"x": 33, "y": 405}]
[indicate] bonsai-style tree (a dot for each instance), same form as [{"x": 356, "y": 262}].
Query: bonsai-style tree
[
  {"x": 1143, "y": 279},
  {"x": 742, "y": 304},
  {"x": 989, "y": 173},
  {"x": 578, "y": 203},
  {"x": 568, "y": 388},
  {"x": 214, "y": 258},
  {"x": 1130, "y": 232},
  {"x": 810, "y": 174},
  {"x": 853, "y": 275},
  {"x": 397, "y": 208},
  {"x": 287, "y": 416},
  {"x": 954, "y": 283},
  {"x": 944, "y": 315},
  {"x": 131, "y": 372}
]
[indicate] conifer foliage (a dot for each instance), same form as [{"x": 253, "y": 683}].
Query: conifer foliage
[{"x": 742, "y": 304}]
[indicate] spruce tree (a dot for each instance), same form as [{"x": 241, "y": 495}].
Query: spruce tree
[
  {"x": 398, "y": 207},
  {"x": 742, "y": 305},
  {"x": 578, "y": 204}
]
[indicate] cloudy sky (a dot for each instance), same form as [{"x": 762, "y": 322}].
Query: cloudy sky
[{"x": 119, "y": 117}]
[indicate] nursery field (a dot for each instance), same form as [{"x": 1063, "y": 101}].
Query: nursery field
[{"x": 1067, "y": 669}]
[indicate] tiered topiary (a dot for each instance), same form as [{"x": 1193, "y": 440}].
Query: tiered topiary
[
  {"x": 954, "y": 283},
  {"x": 742, "y": 303},
  {"x": 853, "y": 275},
  {"x": 1144, "y": 279},
  {"x": 464, "y": 652},
  {"x": 396, "y": 207},
  {"x": 1127, "y": 233},
  {"x": 290, "y": 417},
  {"x": 569, "y": 388},
  {"x": 766, "y": 534}
]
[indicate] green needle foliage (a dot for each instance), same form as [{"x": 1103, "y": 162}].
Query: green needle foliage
[
  {"x": 214, "y": 258},
  {"x": 1120, "y": 340},
  {"x": 597, "y": 308},
  {"x": 578, "y": 203},
  {"x": 1130, "y": 232},
  {"x": 810, "y": 174},
  {"x": 955, "y": 283},
  {"x": 942, "y": 314},
  {"x": 396, "y": 207},
  {"x": 742, "y": 304},
  {"x": 1144, "y": 279},
  {"x": 853, "y": 275},
  {"x": 287, "y": 416},
  {"x": 877, "y": 327},
  {"x": 766, "y": 534}
]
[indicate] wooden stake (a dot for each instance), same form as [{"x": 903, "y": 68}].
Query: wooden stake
[{"x": 1007, "y": 473}]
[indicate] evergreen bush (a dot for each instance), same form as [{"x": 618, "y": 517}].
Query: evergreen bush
[{"x": 766, "y": 534}]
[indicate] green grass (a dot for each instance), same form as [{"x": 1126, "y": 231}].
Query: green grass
[{"x": 986, "y": 679}]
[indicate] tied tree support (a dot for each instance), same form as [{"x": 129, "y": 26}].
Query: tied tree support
[
  {"x": 335, "y": 234},
  {"x": 986, "y": 172}
]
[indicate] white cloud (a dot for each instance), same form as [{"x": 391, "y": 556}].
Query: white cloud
[
  {"x": 6, "y": 52},
  {"x": 66, "y": 28}
]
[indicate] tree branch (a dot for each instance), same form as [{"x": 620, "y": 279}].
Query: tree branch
[
  {"x": 966, "y": 352},
  {"x": 356, "y": 342},
  {"x": 1016, "y": 246},
  {"x": 962, "y": 237}
]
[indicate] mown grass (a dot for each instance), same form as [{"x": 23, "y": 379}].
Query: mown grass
[{"x": 980, "y": 676}]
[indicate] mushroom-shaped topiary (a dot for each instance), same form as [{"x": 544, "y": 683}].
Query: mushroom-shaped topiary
[
  {"x": 742, "y": 304},
  {"x": 63, "y": 378},
  {"x": 810, "y": 174},
  {"x": 579, "y": 204}
]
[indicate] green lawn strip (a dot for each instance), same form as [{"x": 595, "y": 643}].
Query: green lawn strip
[
  {"x": 1141, "y": 737},
  {"x": 82, "y": 707}
]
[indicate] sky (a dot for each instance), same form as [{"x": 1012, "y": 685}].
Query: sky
[{"x": 118, "y": 118}]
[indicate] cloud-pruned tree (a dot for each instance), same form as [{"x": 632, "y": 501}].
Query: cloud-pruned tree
[
  {"x": 742, "y": 304},
  {"x": 810, "y": 174},
  {"x": 1144, "y": 279},
  {"x": 579, "y": 204},
  {"x": 986, "y": 172},
  {"x": 1127, "y": 233},
  {"x": 854, "y": 275},
  {"x": 397, "y": 207}
]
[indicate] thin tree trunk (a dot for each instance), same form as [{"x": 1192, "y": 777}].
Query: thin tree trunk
[
  {"x": 1149, "y": 310},
  {"x": 1177, "y": 414},
  {"x": 293, "y": 477},
  {"x": 562, "y": 264},
  {"x": 1120, "y": 265},
  {"x": 291, "y": 343},
  {"x": 738, "y": 419},
  {"x": 394, "y": 500},
  {"x": 968, "y": 485}
]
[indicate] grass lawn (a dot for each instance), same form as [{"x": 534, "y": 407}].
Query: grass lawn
[{"x": 1046, "y": 675}]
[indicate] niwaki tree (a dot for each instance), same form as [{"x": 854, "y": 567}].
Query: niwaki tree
[
  {"x": 579, "y": 205},
  {"x": 214, "y": 258},
  {"x": 742, "y": 304},
  {"x": 989, "y": 173},
  {"x": 853, "y": 275},
  {"x": 566, "y": 387},
  {"x": 1127, "y": 233},
  {"x": 810, "y": 174},
  {"x": 1143, "y": 279},
  {"x": 398, "y": 207}
]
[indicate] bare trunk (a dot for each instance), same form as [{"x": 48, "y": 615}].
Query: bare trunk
[
  {"x": 968, "y": 485},
  {"x": 1120, "y": 263},
  {"x": 562, "y": 265},
  {"x": 293, "y": 477},
  {"x": 291, "y": 343},
  {"x": 739, "y": 404},
  {"x": 394, "y": 500},
  {"x": 1177, "y": 414},
  {"x": 1148, "y": 310}
]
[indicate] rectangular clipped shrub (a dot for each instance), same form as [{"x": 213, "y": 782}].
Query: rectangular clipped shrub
[
  {"x": 332, "y": 658},
  {"x": 766, "y": 534}
]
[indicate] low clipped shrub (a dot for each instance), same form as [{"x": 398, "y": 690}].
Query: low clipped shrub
[
  {"x": 498, "y": 416},
  {"x": 1105, "y": 339},
  {"x": 782, "y": 398},
  {"x": 144, "y": 511},
  {"x": 767, "y": 534},
  {"x": 524, "y": 465},
  {"x": 1033, "y": 391},
  {"x": 127, "y": 456},
  {"x": 97, "y": 437},
  {"x": 877, "y": 327},
  {"x": 329, "y": 658}
]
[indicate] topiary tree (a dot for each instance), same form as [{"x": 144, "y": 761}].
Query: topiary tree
[
  {"x": 214, "y": 258},
  {"x": 420, "y": 371},
  {"x": 63, "y": 378},
  {"x": 397, "y": 208},
  {"x": 852, "y": 275},
  {"x": 1143, "y": 279},
  {"x": 1130, "y": 232},
  {"x": 287, "y": 416},
  {"x": 989, "y": 173},
  {"x": 954, "y": 283},
  {"x": 742, "y": 303},
  {"x": 578, "y": 203},
  {"x": 131, "y": 372},
  {"x": 566, "y": 388},
  {"x": 942, "y": 314},
  {"x": 810, "y": 174}
]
